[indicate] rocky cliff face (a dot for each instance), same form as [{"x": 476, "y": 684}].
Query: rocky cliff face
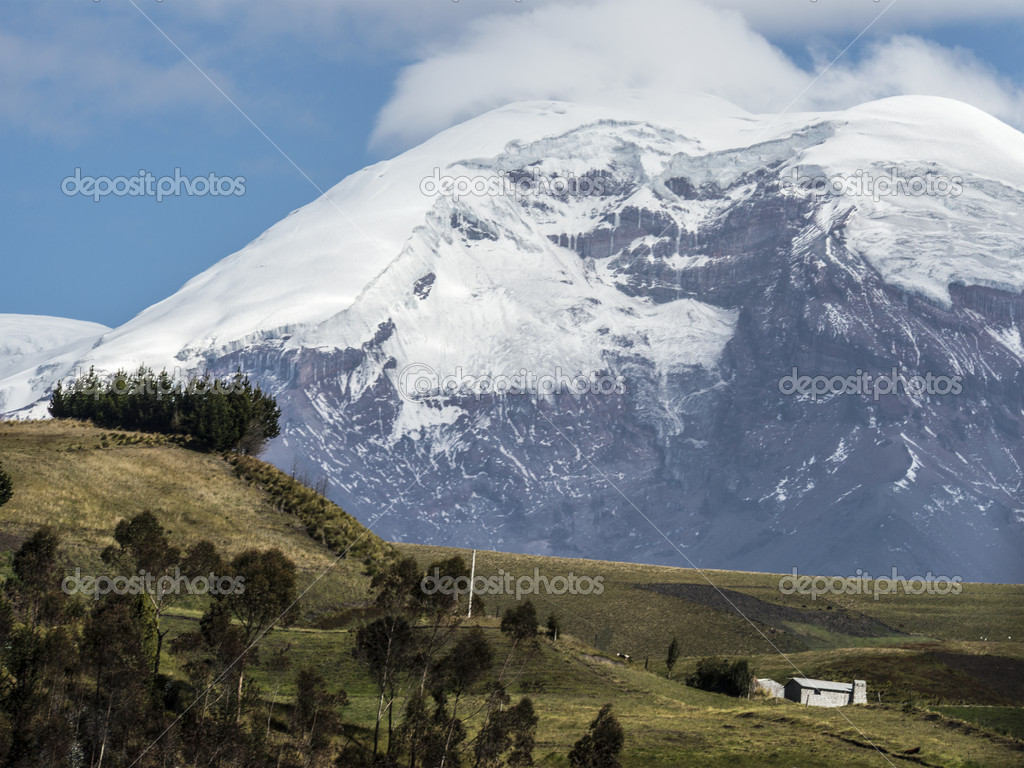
[{"x": 685, "y": 278}]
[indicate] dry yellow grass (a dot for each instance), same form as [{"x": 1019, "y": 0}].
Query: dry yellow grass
[{"x": 63, "y": 476}]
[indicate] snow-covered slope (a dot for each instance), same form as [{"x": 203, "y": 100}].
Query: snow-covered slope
[
  {"x": 698, "y": 268},
  {"x": 316, "y": 262},
  {"x": 29, "y": 341}
]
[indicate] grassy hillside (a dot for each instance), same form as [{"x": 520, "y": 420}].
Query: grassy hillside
[
  {"x": 939, "y": 695},
  {"x": 642, "y": 607},
  {"x": 669, "y": 725},
  {"x": 83, "y": 479}
]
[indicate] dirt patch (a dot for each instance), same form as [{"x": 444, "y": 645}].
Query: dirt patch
[
  {"x": 601, "y": 660},
  {"x": 838, "y": 620}
]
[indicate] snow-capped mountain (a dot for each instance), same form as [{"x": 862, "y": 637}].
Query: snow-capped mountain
[{"x": 684, "y": 258}]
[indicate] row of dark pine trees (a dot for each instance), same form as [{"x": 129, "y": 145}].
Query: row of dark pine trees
[{"x": 224, "y": 414}]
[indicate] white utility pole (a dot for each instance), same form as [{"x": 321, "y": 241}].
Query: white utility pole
[{"x": 472, "y": 576}]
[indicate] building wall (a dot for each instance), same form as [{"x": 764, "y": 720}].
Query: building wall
[
  {"x": 860, "y": 692},
  {"x": 824, "y": 698}
]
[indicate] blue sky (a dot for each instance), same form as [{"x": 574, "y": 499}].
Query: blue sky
[{"x": 338, "y": 84}]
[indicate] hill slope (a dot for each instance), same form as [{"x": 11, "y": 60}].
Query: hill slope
[{"x": 83, "y": 479}]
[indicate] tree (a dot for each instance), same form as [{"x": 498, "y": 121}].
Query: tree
[
  {"x": 397, "y": 585},
  {"x": 419, "y": 732},
  {"x": 523, "y": 725},
  {"x": 6, "y": 486},
  {"x": 404, "y": 591},
  {"x": 117, "y": 646},
  {"x": 38, "y": 657},
  {"x": 59, "y": 406},
  {"x": 467, "y": 662},
  {"x": 266, "y": 597},
  {"x": 443, "y": 611},
  {"x": 315, "y": 718},
  {"x": 520, "y": 623},
  {"x": 601, "y": 745},
  {"x": 256, "y": 416},
  {"x": 36, "y": 586},
  {"x": 143, "y": 548},
  {"x": 512, "y": 731},
  {"x": 554, "y": 628},
  {"x": 740, "y": 677},
  {"x": 202, "y": 559},
  {"x": 215, "y": 658},
  {"x": 494, "y": 737},
  {"x": 385, "y": 647},
  {"x": 209, "y": 723},
  {"x": 673, "y": 656}
]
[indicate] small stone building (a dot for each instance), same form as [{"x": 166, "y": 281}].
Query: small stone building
[{"x": 825, "y": 693}]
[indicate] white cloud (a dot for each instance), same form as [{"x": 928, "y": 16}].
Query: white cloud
[
  {"x": 71, "y": 69},
  {"x": 62, "y": 76},
  {"x": 574, "y": 51},
  {"x": 906, "y": 64}
]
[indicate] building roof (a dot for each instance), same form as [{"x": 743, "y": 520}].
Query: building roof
[{"x": 828, "y": 685}]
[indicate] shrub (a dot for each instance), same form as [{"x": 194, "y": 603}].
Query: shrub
[
  {"x": 717, "y": 675},
  {"x": 601, "y": 745},
  {"x": 6, "y": 486}
]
